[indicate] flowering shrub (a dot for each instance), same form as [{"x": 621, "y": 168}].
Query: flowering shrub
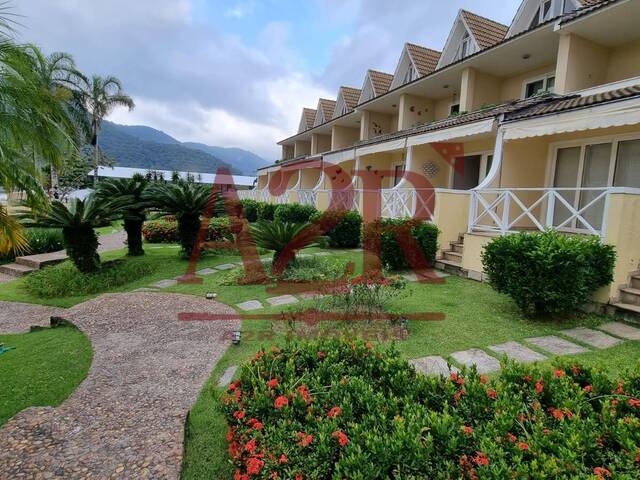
[
  {"x": 335, "y": 409},
  {"x": 166, "y": 230}
]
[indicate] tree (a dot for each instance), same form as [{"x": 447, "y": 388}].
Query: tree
[
  {"x": 187, "y": 201},
  {"x": 78, "y": 220},
  {"x": 134, "y": 210},
  {"x": 101, "y": 95}
]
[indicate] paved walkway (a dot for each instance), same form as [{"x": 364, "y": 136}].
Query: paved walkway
[
  {"x": 126, "y": 419},
  {"x": 19, "y": 317}
]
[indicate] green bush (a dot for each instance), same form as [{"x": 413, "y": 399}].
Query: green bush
[
  {"x": 394, "y": 256},
  {"x": 166, "y": 231},
  {"x": 548, "y": 272},
  {"x": 266, "y": 211},
  {"x": 65, "y": 280},
  {"x": 294, "y": 213},
  {"x": 40, "y": 240},
  {"x": 337, "y": 409},
  {"x": 250, "y": 209},
  {"x": 347, "y": 229}
]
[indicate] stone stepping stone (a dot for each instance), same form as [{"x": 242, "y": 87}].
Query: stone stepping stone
[
  {"x": 556, "y": 345},
  {"x": 517, "y": 351},
  {"x": 433, "y": 365},
  {"x": 206, "y": 271},
  {"x": 225, "y": 266},
  {"x": 165, "y": 283},
  {"x": 282, "y": 300},
  {"x": 311, "y": 295},
  {"x": 227, "y": 376},
  {"x": 484, "y": 362},
  {"x": 250, "y": 305},
  {"x": 592, "y": 337},
  {"x": 414, "y": 277},
  {"x": 146, "y": 289},
  {"x": 622, "y": 330}
]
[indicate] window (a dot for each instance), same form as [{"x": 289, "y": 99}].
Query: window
[
  {"x": 454, "y": 109},
  {"x": 465, "y": 47},
  {"x": 398, "y": 173},
  {"x": 628, "y": 164},
  {"x": 408, "y": 76},
  {"x": 568, "y": 6},
  {"x": 539, "y": 85},
  {"x": 543, "y": 13}
]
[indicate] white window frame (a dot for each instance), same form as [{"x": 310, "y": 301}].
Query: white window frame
[
  {"x": 393, "y": 168},
  {"x": 484, "y": 155},
  {"x": 453, "y": 104},
  {"x": 465, "y": 44},
  {"x": 409, "y": 74},
  {"x": 545, "y": 78},
  {"x": 541, "y": 15}
]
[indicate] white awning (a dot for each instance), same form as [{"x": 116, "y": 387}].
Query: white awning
[
  {"x": 339, "y": 157},
  {"x": 625, "y": 112},
  {"x": 398, "y": 144},
  {"x": 453, "y": 133}
]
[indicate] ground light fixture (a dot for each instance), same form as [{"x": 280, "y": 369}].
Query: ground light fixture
[
  {"x": 211, "y": 295},
  {"x": 236, "y": 337}
]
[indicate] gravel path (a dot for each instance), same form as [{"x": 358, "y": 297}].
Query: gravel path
[
  {"x": 18, "y": 317},
  {"x": 126, "y": 420}
]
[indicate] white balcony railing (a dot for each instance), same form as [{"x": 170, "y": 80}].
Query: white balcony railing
[
  {"x": 579, "y": 210},
  {"x": 308, "y": 197},
  {"x": 344, "y": 199},
  {"x": 407, "y": 202}
]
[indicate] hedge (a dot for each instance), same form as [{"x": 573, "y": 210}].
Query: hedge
[
  {"x": 337, "y": 409},
  {"x": 347, "y": 232},
  {"x": 294, "y": 213},
  {"x": 266, "y": 211},
  {"x": 166, "y": 230},
  {"x": 383, "y": 234},
  {"x": 250, "y": 209},
  {"x": 548, "y": 272}
]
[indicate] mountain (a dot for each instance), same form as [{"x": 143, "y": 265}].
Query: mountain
[{"x": 145, "y": 147}]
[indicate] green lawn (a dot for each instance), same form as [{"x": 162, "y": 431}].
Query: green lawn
[
  {"x": 43, "y": 368},
  {"x": 113, "y": 227}
]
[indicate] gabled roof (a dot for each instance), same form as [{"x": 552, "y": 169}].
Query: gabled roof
[
  {"x": 425, "y": 59},
  {"x": 307, "y": 119},
  {"x": 485, "y": 31},
  {"x": 375, "y": 84},
  {"x": 324, "y": 112},
  {"x": 346, "y": 101}
]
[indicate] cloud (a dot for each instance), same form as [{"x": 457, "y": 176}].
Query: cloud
[{"x": 241, "y": 10}]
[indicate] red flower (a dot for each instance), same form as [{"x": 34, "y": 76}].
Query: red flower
[
  {"x": 527, "y": 378},
  {"x": 283, "y": 459},
  {"x": 512, "y": 437},
  {"x": 280, "y": 402},
  {"x": 230, "y": 434},
  {"x": 239, "y": 415},
  {"x": 483, "y": 379},
  {"x": 601, "y": 473},
  {"x": 251, "y": 446},
  {"x": 369, "y": 345},
  {"x": 458, "y": 395},
  {"x": 523, "y": 446},
  {"x": 254, "y": 465},
  {"x": 341, "y": 437},
  {"x": 334, "y": 412},
  {"x": 480, "y": 459},
  {"x": 492, "y": 394},
  {"x": 304, "y": 391},
  {"x": 321, "y": 355},
  {"x": 273, "y": 383},
  {"x": 305, "y": 439},
  {"x": 457, "y": 378},
  {"x": 575, "y": 370},
  {"x": 539, "y": 386},
  {"x": 467, "y": 430},
  {"x": 258, "y": 426},
  {"x": 240, "y": 476},
  {"x": 274, "y": 475},
  {"x": 559, "y": 373},
  {"x": 587, "y": 389},
  {"x": 299, "y": 476},
  {"x": 634, "y": 402},
  {"x": 557, "y": 413},
  {"x": 546, "y": 431},
  {"x": 620, "y": 390},
  {"x": 638, "y": 456},
  {"x": 232, "y": 387}
]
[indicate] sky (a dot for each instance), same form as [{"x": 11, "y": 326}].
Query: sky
[{"x": 238, "y": 73}]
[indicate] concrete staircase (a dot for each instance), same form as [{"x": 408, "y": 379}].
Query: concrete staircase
[
  {"x": 630, "y": 295},
  {"x": 451, "y": 259},
  {"x": 30, "y": 263}
]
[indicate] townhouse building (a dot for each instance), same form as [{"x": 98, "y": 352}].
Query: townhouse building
[{"x": 505, "y": 128}]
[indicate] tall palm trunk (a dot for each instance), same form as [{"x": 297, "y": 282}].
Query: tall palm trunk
[
  {"x": 96, "y": 152},
  {"x": 133, "y": 227}
]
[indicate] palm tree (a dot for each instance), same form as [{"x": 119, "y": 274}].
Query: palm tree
[
  {"x": 134, "y": 211},
  {"x": 78, "y": 220},
  {"x": 187, "y": 201},
  {"x": 101, "y": 96},
  {"x": 284, "y": 238}
]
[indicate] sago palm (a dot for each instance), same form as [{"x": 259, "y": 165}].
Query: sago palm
[
  {"x": 285, "y": 239},
  {"x": 134, "y": 209},
  {"x": 78, "y": 221},
  {"x": 187, "y": 202}
]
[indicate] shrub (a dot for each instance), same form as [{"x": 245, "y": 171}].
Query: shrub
[
  {"x": 266, "y": 211},
  {"x": 250, "y": 209},
  {"x": 294, "y": 213},
  {"x": 347, "y": 231},
  {"x": 65, "y": 280},
  {"x": 166, "y": 231},
  {"x": 548, "y": 272},
  {"x": 393, "y": 255},
  {"x": 337, "y": 409},
  {"x": 40, "y": 240}
]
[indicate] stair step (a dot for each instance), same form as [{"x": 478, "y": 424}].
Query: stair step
[
  {"x": 630, "y": 295},
  {"x": 628, "y": 307},
  {"x": 461, "y": 238},
  {"x": 635, "y": 281},
  {"x": 15, "y": 269},
  {"x": 457, "y": 247},
  {"x": 42, "y": 260},
  {"x": 452, "y": 256}
]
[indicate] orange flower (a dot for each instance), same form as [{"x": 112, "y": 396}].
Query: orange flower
[
  {"x": 559, "y": 373},
  {"x": 539, "y": 386},
  {"x": 239, "y": 415},
  {"x": 299, "y": 476},
  {"x": 557, "y": 414},
  {"x": 492, "y": 394},
  {"x": 251, "y": 446},
  {"x": 467, "y": 430},
  {"x": 305, "y": 439},
  {"x": 334, "y": 412},
  {"x": 341, "y": 437},
  {"x": 512, "y": 437},
  {"x": 254, "y": 465},
  {"x": 321, "y": 355},
  {"x": 281, "y": 401},
  {"x": 283, "y": 459},
  {"x": 638, "y": 456},
  {"x": 240, "y": 476},
  {"x": 273, "y": 383},
  {"x": 480, "y": 459},
  {"x": 634, "y": 402},
  {"x": 601, "y": 473},
  {"x": 483, "y": 379},
  {"x": 587, "y": 389},
  {"x": 304, "y": 391},
  {"x": 575, "y": 370},
  {"x": 258, "y": 426},
  {"x": 523, "y": 446}
]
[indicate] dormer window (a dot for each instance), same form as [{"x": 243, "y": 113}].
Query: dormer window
[
  {"x": 543, "y": 13},
  {"x": 409, "y": 75},
  {"x": 465, "y": 47}
]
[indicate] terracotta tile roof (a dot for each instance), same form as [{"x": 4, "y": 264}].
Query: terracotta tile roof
[
  {"x": 590, "y": 3},
  {"x": 486, "y": 31},
  {"x": 425, "y": 59},
  {"x": 351, "y": 96},
  {"x": 587, "y": 7},
  {"x": 563, "y": 104},
  {"x": 309, "y": 115},
  {"x": 327, "y": 106},
  {"x": 381, "y": 82}
]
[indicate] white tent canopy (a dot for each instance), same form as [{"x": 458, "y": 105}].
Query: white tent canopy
[{"x": 446, "y": 134}]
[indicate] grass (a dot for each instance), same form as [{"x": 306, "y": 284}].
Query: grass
[
  {"x": 43, "y": 369},
  {"x": 113, "y": 227}
]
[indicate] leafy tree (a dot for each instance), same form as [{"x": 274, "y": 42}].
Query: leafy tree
[{"x": 134, "y": 211}]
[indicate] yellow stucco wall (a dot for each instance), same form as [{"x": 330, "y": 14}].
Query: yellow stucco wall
[
  {"x": 302, "y": 148},
  {"x": 478, "y": 89},
  {"x": 624, "y": 62},
  {"x": 309, "y": 178},
  {"x": 473, "y": 245},
  {"x": 414, "y": 111},
  {"x": 451, "y": 214},
  {"x": 443, "y": 105},
  {"x": 511, "y": 88},
  {"x": 342, "y": 137},
  {"x": 320, "y": 143},
  {"x": 581, "y": 64}
]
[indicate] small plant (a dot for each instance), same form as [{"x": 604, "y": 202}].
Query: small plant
[
  {"x": 282, "y": 238},
  {"x": 346, "y": 227},
  {"x": 548, "y": 272},
  {"x": 294, "y": 213}
]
